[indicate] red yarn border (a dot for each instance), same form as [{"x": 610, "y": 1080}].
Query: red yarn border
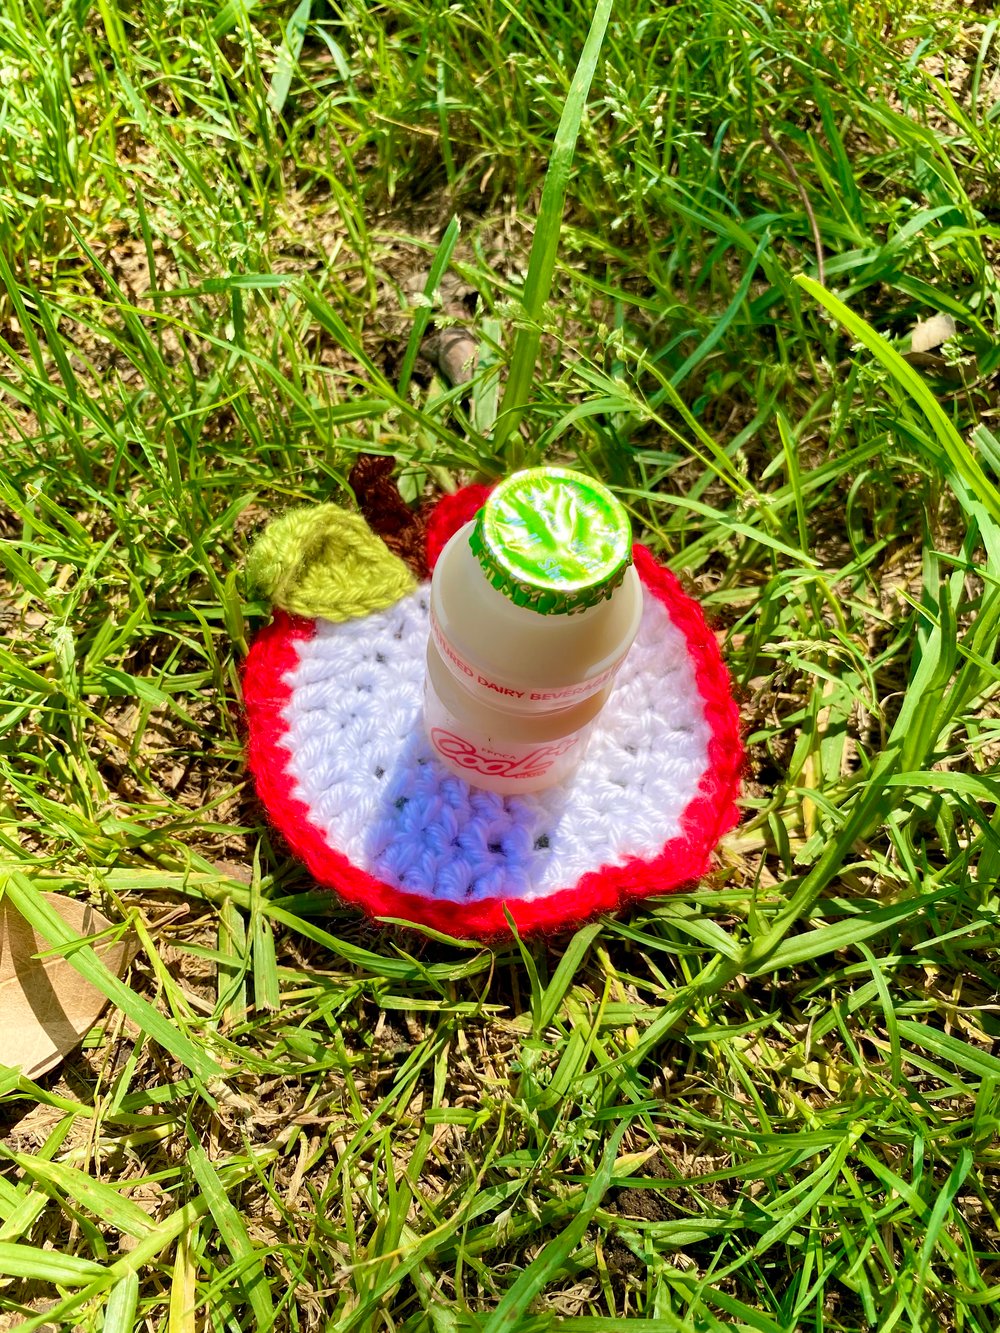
[{"x": 710, "y": 814}]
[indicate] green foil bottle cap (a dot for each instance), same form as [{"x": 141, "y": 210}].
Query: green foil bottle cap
[{"x": 553, "y": 540}]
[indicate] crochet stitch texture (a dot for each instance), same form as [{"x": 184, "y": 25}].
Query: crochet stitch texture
[
  {"x": 325, "y": 561},
  {"x": 337, "y": 748},
  {"x": 360, "y": 762}
]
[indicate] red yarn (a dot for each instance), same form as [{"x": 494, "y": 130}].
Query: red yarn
[
  {"x": 710, "y": 814},
  {"x": 448, "y": 515}
]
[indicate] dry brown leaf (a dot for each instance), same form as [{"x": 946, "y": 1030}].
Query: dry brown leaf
[
  {"x": 930, "y": 333},
  {"x": 41, "y": 1305},
  {"x": 47, "y": 1008},
  {"x": 234, "y": 870}
]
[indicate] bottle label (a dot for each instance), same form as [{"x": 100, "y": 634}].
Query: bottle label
[
  {"x": 479, "y": 757},
  {"x": 486, "y": 687},
  {"x": 509, "y": 762}
]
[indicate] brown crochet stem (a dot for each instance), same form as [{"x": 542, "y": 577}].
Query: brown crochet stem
[{"x": 387, "y": 513}]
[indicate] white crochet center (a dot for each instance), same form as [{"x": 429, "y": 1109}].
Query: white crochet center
[{"x": 361, "y": 764}]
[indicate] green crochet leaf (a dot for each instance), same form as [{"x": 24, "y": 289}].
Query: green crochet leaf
[{"x": 324, "y": 561}]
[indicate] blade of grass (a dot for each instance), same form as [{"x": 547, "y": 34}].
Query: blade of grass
[
  {"x": 952, "y": 451},
  {"x": 232, "y": 1228},
  {"x": 509, "y": 1314},
  {"x": 545, "y": 243},
  {"x": 119, "y": 1313},
  {"x": 424, "y": 311},
  {"x": 95, "y": 1196},
  {"x": 288, "y": 55},
  {"x": 183, "y": 1290},
  {"x": 46, "y": 1266}
]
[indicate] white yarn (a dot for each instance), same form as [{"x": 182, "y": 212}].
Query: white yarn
[{"x": 362, "y": 765}]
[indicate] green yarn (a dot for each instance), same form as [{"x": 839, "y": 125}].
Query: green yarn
[{"x": 324, "y": 561}]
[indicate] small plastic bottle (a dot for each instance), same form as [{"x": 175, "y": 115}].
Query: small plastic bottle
[{"x": 534, "y": 605}]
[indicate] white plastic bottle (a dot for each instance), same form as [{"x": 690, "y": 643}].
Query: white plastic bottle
[{"x": 534, "y": 605}]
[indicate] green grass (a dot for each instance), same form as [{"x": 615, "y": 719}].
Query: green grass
[{"x": 769, "y": 1104}]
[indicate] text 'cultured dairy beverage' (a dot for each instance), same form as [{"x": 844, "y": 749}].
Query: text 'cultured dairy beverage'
[{"x": 534, "y": 605}]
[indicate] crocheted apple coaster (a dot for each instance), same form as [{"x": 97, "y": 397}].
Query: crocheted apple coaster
[{"x": 337, "y": 748}]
